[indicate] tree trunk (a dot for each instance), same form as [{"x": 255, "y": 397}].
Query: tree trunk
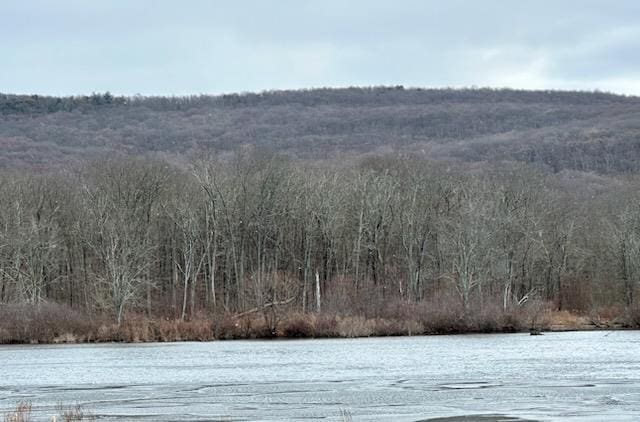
[
  {"x": 185, "y": 293},
  {"x": 318, "y": 300}
]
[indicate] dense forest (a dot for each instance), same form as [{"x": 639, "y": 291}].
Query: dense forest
[
  {"x": 472, "y": 210},
  {"x": 555, "y": 130},
  {"x": 262, "y": 232}
]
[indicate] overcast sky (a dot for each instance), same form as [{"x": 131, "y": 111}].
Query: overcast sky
[{"x": 67, "y": 47}]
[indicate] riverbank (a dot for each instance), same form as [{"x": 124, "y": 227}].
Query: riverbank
[{"x": 52, "y": 323}]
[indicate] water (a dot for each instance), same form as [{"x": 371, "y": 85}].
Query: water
[{"x": 592, "y": 376}]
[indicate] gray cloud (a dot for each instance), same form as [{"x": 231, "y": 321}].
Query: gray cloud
[{"x": 166, "y": 47}]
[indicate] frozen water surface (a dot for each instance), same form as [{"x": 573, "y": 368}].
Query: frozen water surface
[{"x": 585, "y": 376}]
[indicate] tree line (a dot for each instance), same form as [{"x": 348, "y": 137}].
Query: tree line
[
  {"x": 232, "y": 234},
  {"x": 379, "y": 95}
]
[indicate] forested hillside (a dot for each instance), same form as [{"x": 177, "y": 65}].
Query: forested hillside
[
  {"x": 556, "y": 130},
  {"x": 414, "y": 245},
  {"x": 317, "y": 213}
]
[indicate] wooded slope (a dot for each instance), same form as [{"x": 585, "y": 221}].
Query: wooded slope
[{"x": 557, "y": 130}]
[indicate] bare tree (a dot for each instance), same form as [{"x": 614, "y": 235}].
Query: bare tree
[
  {"x": 31, "y": 237},
  {"x": 468, "y": 239},
  {"x": 120, "y": 197},
  {"x": 626, "y": 234}
]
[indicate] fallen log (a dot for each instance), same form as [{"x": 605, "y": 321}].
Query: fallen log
[{"x": 265, "y": 306}]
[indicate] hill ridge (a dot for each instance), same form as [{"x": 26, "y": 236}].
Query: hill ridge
[{"x": 553, "y": 129}]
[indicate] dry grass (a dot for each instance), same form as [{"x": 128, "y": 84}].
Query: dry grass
[
  {"x": 357, "y": 326},
  {"x": 43, "y": 323},
  {"x": 66, "y": 338},
  {"x": 74, "y": 414},
  {"x": 140, "y": 329},
  {"x": 345, "y": 415},
  {"x": 564, "y": 320},
  {"x": 21, "y": 413},
  {"x": 50, "y": 323}
]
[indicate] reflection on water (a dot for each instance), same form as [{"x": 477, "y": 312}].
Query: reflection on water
[{"x": 559, "y": 376}]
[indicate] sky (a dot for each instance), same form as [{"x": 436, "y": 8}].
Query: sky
[{"x": 158, "y": 47}]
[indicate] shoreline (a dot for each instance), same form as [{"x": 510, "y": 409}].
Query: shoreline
[
  {"x": 138, "y": 331},
  {"x": 302, "y": 339}
]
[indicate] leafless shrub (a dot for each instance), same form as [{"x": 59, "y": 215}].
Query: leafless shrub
[
  {"x": 199, "y": 329},
  {"x": 576, "y": 295},
  {"x": 227, "y": 327},
  {"x": 44, "y": 323},
  {"x": 357, "y": 326},
  {"x": 326, "y": 325},
  {"x": 633, "y": 316},
  {"x": 610, "y": 313},
  {"x": 245, "y": 327},
  {"x": 299, "y": 326},
  {"x": 492, "y": 318},
  {"x": 444, "y": 317}
]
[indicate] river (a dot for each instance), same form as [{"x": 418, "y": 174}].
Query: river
[{"x": 585, "y": 376}]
